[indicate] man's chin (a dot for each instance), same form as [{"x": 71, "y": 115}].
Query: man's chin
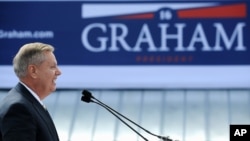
[{"x": 53, "y": 89}]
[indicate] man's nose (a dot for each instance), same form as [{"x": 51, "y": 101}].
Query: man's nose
[{"x": 58, "y": 72}]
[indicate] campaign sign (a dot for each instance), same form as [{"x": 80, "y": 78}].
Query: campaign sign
[
  {"x": 130, "y": 33},
  {"x": 239, "y": 132},
  {"x": 144, "y": 38}
]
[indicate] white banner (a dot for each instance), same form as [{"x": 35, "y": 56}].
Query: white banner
[{"x": 145, "y": 77}]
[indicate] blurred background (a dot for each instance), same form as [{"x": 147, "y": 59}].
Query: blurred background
[{"x": 177, "y": 68}]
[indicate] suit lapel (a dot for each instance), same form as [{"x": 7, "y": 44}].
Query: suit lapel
[{"x": 44, "y": 114}]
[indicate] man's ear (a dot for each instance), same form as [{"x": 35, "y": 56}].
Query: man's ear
[{"x": 32, "y": 71}]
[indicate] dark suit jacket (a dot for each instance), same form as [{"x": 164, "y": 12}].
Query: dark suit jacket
[{"x": 23, "y": 118}]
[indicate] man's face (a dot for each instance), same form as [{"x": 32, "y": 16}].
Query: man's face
[{"x": 47, "y": 74}]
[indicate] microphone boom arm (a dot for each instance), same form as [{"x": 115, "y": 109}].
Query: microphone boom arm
[{"x": 112, "y": 110}]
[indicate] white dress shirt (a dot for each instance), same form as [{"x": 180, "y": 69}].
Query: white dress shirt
[{"x": 34, "y": 94}]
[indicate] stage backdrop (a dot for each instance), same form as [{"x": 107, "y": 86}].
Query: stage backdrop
[{"x": 133, "y": 44}]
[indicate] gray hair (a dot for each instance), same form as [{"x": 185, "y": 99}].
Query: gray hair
[{"x": 31, "y": 53}]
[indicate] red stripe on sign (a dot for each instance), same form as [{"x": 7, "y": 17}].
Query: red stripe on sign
[
  {"x": 138, "y": 16},
  {"x": 228, "y": 11}
]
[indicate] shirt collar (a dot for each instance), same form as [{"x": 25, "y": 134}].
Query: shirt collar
[{"x": 33, "y": 93}]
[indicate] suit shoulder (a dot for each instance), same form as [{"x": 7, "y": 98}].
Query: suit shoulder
[{"x": 14, "y": 101}]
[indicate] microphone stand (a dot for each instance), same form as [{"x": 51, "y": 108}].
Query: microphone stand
[
  {"x": 104, "y": 106},
  {"x": 114, "y": 112}
]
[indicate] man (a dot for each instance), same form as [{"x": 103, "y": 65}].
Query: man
[{"x": 22, "y": 113}]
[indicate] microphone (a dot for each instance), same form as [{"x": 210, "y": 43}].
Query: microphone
[{"x": 87, "y": 97}]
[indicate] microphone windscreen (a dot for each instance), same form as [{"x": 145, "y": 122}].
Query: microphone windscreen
[
  {"x": 87, "y": 93},
  {"x": 86, "y": 99}
]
